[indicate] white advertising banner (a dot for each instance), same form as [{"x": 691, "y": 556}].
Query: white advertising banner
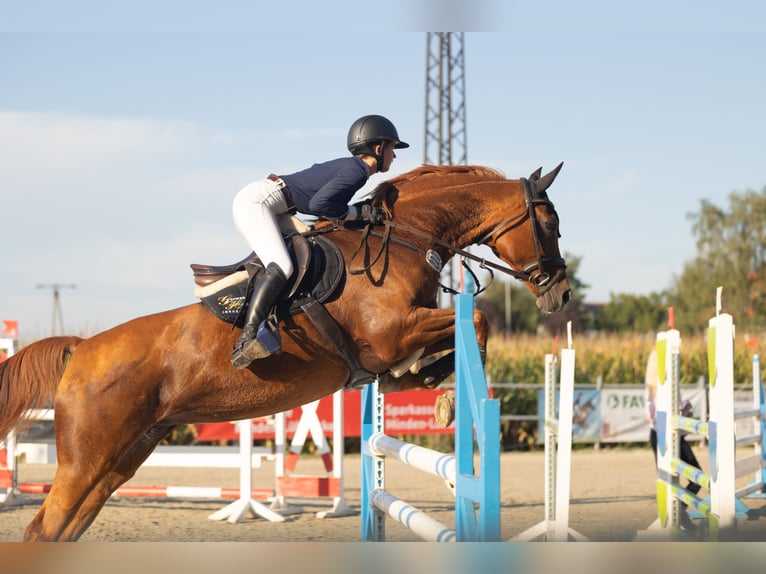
[
  {"x": 623, "y": 416},
  {"x": 623, "y": 413},
  {"x": 617, "y": 414}
]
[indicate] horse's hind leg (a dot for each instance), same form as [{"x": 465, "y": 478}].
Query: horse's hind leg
[
  {"x": 89, "y": 469},
  {"x": 75, "y": 497},
  {"x": 66, "y": 513},
  {"x": 101, "y": 493},
  {"x": 59, "y": 520}
]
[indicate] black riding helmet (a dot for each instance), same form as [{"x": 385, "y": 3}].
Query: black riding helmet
[{"x": 368, "y": 131}]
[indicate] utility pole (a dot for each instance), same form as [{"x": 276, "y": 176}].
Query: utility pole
[
  {"x": 445, "y": 129},
  {"x": 57, "y": 313}
]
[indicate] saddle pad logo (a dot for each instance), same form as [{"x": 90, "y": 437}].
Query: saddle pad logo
[{"x": 230, "y": 304}]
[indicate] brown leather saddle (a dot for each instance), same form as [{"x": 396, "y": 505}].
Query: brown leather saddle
[
  {"x": 318, "y": 277},
  {"x": 225, "y": 289}
]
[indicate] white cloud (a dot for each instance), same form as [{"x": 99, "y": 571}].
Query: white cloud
[
  {"x": 116, "y": 279},
  {"x": 71, "y": 142},
  {"x": 117, "y": 206}
]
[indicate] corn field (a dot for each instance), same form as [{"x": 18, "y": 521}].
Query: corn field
[
  {"x": 612, "y": 358},
  {"x": 617, "y": 359}
]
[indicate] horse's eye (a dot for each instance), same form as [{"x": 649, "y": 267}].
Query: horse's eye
[{"x": 551, "y": 225}]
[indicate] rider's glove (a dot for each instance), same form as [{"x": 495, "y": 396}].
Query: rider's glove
[{"x": 371, "y": 214}]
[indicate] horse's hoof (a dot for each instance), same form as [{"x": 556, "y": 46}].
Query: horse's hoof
[
  {"x": 388, "y": 384},
  {"x": 444, "y": 409}
]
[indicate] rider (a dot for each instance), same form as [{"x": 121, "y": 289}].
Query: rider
[{"x": 323, "y": 190}]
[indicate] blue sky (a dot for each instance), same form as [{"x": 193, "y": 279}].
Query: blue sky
[{"x": 125, "y": 133}]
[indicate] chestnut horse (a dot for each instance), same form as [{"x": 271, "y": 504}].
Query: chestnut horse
[{"x": 116, "y": 394}]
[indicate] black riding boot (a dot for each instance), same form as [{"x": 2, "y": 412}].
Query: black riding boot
[{"x": 257, "y": 339}]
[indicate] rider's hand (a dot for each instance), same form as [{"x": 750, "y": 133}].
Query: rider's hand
[{"x": 371, "y": 214}]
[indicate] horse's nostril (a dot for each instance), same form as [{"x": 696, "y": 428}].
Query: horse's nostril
[{"x": 567, "y": 297}]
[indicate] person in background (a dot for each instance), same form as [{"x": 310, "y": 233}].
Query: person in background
[
  {"x": 650, "y": 408},
  {"x": 323, "y": 190}
]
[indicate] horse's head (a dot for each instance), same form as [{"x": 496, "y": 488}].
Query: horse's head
[
  {"x": 528, "y": 242},
  {"x": 448, "y": 208}
]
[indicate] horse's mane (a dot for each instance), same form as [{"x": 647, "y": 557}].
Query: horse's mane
[
  {"x": 423, "y": 179},
  {"x": 429, "y": 176}
]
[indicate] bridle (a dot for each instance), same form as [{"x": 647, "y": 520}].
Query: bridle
[{"x": 534, "y": 271}]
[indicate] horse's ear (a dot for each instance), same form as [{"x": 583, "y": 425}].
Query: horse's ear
[
  {"x": 536, "y": 174},
  {"x": 545, "y": 182}
]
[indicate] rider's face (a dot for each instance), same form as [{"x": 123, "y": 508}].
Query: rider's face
[{"x": 388, "y": 155}]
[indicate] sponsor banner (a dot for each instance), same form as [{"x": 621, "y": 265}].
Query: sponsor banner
[
  {"x": 586, "y": 417},
  {"x": 623, "y": 413},
  {"x": 623, "y": 416},
  {"x": 747, "y": 426},
  {"x": 406, "y": 413},
  {"x": 613, "y": 415}
]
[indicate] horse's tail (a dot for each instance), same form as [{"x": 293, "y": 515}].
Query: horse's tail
[{"x": 28, "y": 379}]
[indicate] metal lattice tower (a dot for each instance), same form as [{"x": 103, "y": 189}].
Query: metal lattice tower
[{"x": 445, "y": 135}]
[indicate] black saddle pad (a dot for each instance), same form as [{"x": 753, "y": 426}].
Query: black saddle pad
[{"x": 322, "y": 282}]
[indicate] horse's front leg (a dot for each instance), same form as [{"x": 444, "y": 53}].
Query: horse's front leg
[
  {"x": 429, "y": 372},
  {"x": 425, "y": 327}
]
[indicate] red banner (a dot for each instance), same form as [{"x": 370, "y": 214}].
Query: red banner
[{"x": 405, "y": 413}]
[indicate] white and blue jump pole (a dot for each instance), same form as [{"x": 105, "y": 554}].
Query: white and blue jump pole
[{"x": 757, "y": 487}]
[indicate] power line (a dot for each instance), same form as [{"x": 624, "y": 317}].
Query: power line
[{"x": 57, "y": 312}]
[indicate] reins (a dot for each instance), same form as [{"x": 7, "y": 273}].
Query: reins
[{"x": 541, "y": 279}]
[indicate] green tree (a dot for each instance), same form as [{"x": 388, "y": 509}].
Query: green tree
[
  {"x": 636, "y": 313},
  {"x": 555, "y": 324},
  {"x": 525, "y": 317},
  {"x": 693, "y": 296},
  {"x": 731, "y": 252},
  {"x": 524, "y": 314}
]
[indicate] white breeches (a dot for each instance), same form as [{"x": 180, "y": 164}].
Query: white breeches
[{"x": 255, "y": 210}]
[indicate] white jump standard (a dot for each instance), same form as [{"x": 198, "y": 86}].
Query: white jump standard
[
  {"x": 720, "y": 508},
  {"x": 558, "y": 451}
]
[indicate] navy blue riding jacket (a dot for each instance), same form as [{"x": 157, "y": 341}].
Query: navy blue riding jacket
[{"x": 324, "y": 189}]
